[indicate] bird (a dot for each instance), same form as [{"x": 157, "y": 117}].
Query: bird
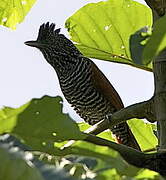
[{"x": 83, "y": 84}]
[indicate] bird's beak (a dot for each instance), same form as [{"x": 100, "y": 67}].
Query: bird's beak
[{"x": 34, "y": 44}]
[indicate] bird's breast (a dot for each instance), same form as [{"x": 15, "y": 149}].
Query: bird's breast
[{"x": 80, "y": 92}]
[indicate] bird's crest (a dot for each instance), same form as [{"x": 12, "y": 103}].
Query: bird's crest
[
  {"x": 51, "y": 36},
  {"x": 47, "y": 32}
]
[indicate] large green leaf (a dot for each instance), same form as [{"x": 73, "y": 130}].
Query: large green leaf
[
  {"x": 143, "y": 133},
  {"x": 157, "y": 41},
  {"x": 111, "y": 30},
  {"x": 39, "y": 123},
  {"x": 141, "y": 175},
  {"x": 145, "y": 174},
  {"x": 36, "y": 123},
  {"x": 14, "y": 12}
]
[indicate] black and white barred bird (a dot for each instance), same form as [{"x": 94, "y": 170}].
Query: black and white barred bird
[{"x": 84, "y": 86}]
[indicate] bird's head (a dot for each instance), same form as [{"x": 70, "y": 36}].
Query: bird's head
[{"x": 56, "y": 48}]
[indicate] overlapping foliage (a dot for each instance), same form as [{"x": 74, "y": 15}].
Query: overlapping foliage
[
  {"x": 14, "y": 12},
  {"x": 117, "y": 31},
  {"x": 112, "y": 30},
  {"x": 44, "y": 128}
]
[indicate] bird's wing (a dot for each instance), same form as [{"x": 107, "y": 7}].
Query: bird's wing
[{"x": 105, "y": 87}]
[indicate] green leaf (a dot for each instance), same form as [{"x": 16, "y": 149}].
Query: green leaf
[
  {"x": 108, "y": 174},
  {"x": 106, "y": 157},
  {"x": 94, "y": 168},
  {"x": 148, "y": 175},
  {"x": 109, "y": 162},
  {"x": 157, "y": 41},
  {"x": 111, "y": 30},
  {"x": 40, "y": 123},
  {"x": 143, "y": 133},
  {"x": 14, "y": 12}
]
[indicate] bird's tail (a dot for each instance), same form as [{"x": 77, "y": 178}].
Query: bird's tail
[
  {"x": 123, "y": 135},
  {"x": 121, "y": 131}
]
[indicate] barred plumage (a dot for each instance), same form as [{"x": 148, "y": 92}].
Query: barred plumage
[
  {"x": 84, "y": 86},
  {"x": 82, "y": 95}
]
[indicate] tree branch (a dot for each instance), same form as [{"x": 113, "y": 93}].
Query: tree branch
[
  {"x": 140, "y": 110},
  {"x": 160, "y": 97},
  {"x": 155, "y": 161}
]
